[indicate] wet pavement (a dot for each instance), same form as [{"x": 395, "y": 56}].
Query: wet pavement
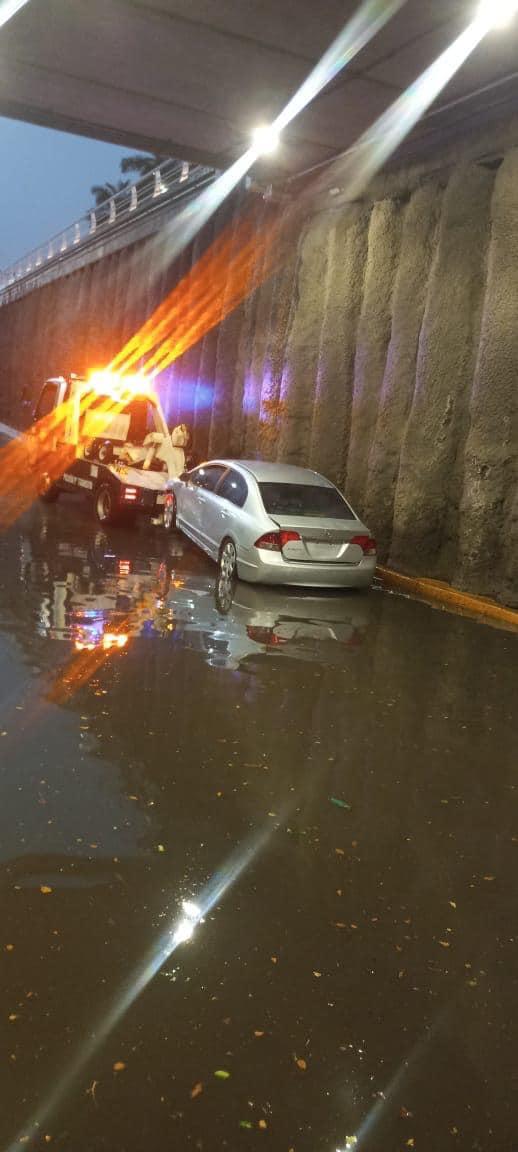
[{"x": 332, "y": 780}]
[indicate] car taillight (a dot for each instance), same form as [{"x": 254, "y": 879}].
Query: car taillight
[
  {"x": 264, "y": 635},
  {"x": 275, "y": 541},
  {"x": 130, "y": 494},
  {"x": 366, "y": 543}
]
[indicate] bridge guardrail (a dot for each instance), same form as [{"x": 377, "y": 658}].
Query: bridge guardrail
[{"x": 170, "y": 182}]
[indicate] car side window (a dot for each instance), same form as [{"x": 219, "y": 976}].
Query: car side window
[
  {"x": 234, "y": 488},
  {"x": 207, "y": 477},
  {"x": 46, "y": 401}
]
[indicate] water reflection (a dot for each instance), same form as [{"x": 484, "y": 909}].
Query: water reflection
[
  {"x": 97, "y": 589},
  {"x": 352, "y": 741}
]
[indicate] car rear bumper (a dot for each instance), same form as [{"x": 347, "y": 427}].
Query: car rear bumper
[{"x": 272, "y": 568}]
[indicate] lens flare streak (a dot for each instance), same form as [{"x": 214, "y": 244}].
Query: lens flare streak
[
  {"x": 180, "y": 932},
  {"x": 356, "y": 168}
]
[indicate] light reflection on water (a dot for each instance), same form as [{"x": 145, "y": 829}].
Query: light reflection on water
[{"x": 96, "y": 589}]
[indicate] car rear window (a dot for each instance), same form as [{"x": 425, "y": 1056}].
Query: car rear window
[{"x": 305, "y": 500}]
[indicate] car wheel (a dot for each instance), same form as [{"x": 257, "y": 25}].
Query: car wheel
[
  {"x": 224, "y": 594},
  {"x": 228, "y": 560},
  {"x": 169, "y": 517},
  {"x": 47, "y": 490}
]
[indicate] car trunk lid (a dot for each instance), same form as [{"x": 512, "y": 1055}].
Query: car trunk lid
[{"x": 321, "y": 541}]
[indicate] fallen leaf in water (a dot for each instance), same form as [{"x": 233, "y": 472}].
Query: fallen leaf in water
[
  {"x": 301, "y": 1064},
  {"x": 410, "y": 1143},
  {"x": 45, "y": 889},
  {"x": 9, "y": 947},
  {"x": 338, "y": 924},
  {"x": 222, "y": 1074},
  {"x": 339, "y": 852},
  {"x": 444, "y": 943},
  {"x": 245, "y": 1124},
  {"x": 13, "y": 1016},
  {"x": 197, "y": 1090},
  {"x": 91, "y": 1090},
  {"x": 273, "y": 959},
  {"x": 160, "y": 848},
  {"x": 48, "y": 1139},
  {"x": 257, "y": 1033},
  {"x": 452, "y": 903},
  {"x": 317, "y": 974},
  {"x": 263, "y": 1124},
  {"x": 340, "y": 803},
  {"x": 119, "y": 1066},
  {"x": 489, "y": 877}
]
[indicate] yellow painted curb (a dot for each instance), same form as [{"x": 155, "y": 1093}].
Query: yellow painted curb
[{"x": 435, "y": 592}]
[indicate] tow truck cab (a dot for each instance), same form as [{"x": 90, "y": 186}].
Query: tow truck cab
[{"x": 106, "y": 437}]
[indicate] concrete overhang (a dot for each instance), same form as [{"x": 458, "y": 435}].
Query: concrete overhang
[{"x": 191, "y": 78}]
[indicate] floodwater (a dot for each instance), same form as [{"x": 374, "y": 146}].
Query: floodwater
[{"x": 331, "y": 780}]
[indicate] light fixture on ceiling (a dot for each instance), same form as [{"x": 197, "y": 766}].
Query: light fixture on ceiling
[
  {"x": 265, "y": 139},
  {"x": 498, "y": 13}
]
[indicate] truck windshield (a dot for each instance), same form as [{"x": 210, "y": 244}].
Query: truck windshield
[{"x": 130, "y": 424}]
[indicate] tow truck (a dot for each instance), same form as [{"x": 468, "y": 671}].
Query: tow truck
[{"x": 106, "y": 437}]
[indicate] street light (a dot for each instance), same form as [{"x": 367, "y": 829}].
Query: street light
[
  {"x": 8, "y": 9},
  {"x": 265, "y": 139},
  {"x": 498, "y": 13}
]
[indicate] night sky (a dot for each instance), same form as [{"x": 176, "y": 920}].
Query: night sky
[{"x": 45, "y": 180}]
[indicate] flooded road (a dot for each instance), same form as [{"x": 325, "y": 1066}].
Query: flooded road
[{"x": 331, "y": 781}]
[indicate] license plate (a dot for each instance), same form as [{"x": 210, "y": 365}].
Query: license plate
[{"x": 161, "y": 498}]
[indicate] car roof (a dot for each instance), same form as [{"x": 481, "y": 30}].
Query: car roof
[{"x": 266, "y": 471}]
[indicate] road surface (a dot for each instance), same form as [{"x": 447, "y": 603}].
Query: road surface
[{"x": 332, "y": 780}]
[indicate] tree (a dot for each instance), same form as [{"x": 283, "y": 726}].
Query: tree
[
  {"x": 102, "y": 192},
  {"x": 141, "y": 165}
]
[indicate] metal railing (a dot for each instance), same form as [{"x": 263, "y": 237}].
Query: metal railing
[{"x": 171, "y": 181}]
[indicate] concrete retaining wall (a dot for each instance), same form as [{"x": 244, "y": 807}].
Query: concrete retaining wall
[{"x": 384, "y": 352}]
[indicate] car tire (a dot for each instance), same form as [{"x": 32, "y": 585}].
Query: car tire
[
  {"x": 48, "y": 493},
  {"x": 228, "y": 559},
  {"x": 169, "y": 513}
]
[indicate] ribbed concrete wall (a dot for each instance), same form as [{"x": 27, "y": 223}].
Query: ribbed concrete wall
[{"x": 384, "y": 353}]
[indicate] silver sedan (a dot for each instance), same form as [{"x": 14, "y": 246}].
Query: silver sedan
[{"x": 272, "y": 524}]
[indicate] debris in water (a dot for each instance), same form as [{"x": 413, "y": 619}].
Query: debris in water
[{"x": 340, "y": 803}]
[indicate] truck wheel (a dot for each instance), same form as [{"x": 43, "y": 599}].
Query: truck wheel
[
  {"x": 48, "y": 492},
  {"x": 108, "y": 510},
  {"x": 170, "y": 513}
]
